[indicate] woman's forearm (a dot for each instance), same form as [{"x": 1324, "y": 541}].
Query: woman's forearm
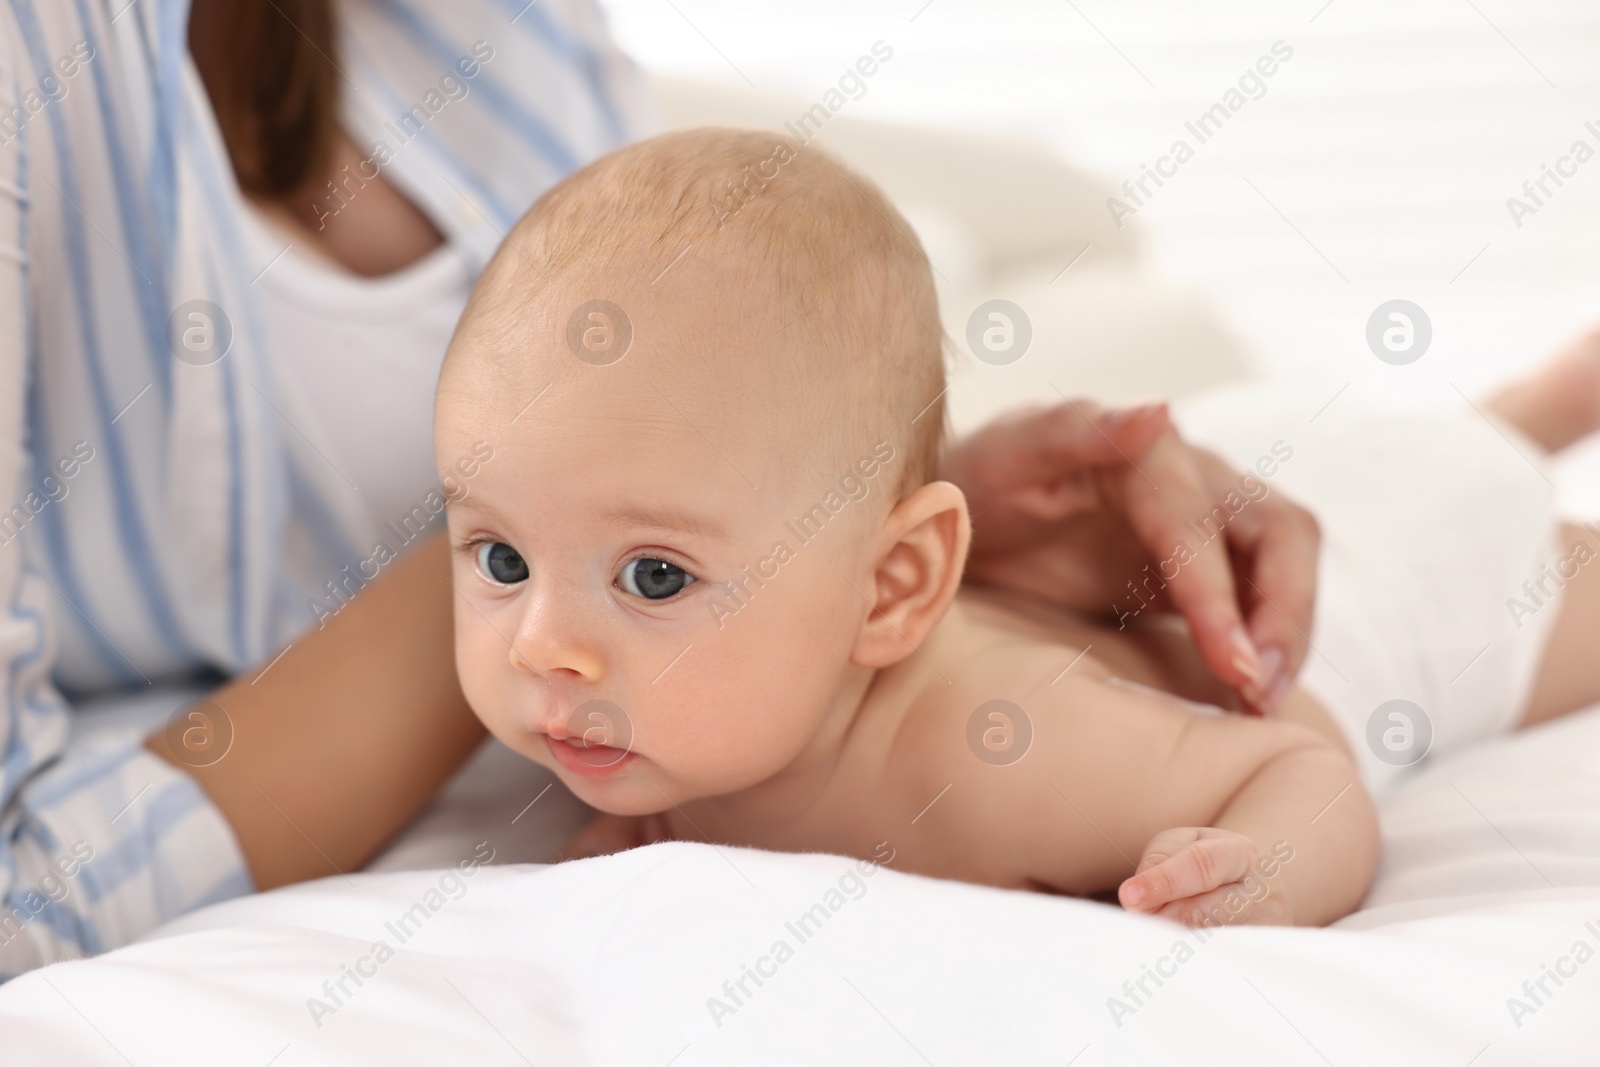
[{"x": 343, "y": 740}]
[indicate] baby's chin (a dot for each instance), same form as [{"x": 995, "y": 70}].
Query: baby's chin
[
  {"x": 616, "y": 782},
  {"x": 627, "y": 793},
  {"x": 629, "y": 785}
]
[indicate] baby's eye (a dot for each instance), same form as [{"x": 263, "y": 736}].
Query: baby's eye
[
  {"x": 653, "y": 579},
  {"x": 500, "y": 563}
]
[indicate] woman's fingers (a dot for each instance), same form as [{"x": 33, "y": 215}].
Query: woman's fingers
[
  {"x": 1037, "y": 451},
  {"x": 1274, "y": 545},
  {"x": 1079, "y": 434},
  {"x": 1176, "y": 514},
  {"x": 1054, "y": 493},
  {"x": 1281, "y": 594}
]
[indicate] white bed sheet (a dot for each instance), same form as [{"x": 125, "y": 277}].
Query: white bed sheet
[
  {"x": 1490, "y": 879},
  {"x": 615, "y": 960}
]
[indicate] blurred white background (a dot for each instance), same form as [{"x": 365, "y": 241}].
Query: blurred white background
[{"x": 1377, "y": 165}]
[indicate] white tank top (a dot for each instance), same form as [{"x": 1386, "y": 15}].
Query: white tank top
[{"x": 359, "y": 358}]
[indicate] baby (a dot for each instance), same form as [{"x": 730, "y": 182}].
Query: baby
[{"x": 711, "y": 580}]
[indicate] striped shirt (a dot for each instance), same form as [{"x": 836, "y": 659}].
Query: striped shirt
[{"x": 159, "y": 512}]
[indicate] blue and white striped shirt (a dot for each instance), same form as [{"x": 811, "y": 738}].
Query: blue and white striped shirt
[{"x": 158, "y": 515}]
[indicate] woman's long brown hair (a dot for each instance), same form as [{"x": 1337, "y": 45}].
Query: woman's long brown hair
[{"x": 269, "y": 68}]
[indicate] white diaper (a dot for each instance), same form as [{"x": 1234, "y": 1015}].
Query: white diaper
[{"x": 1431, "y": 525}]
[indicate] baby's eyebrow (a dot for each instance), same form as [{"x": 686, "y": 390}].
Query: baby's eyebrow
[{"x": 667, "y": 518}]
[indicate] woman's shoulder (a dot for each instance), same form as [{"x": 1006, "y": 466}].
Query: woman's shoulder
[{"x": 480, "y": 106}]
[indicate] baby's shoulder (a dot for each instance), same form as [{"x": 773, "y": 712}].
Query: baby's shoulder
[
  {"x": 1005, "y": 758},
  {"x": 990, "y": 697},
  {"x": 983, "y": 655}
]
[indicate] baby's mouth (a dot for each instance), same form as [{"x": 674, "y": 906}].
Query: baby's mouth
[
  {"x": 594, "y": 739},
  {"x": 591, "y": 761},
  {"x": 594, "y": 754}
]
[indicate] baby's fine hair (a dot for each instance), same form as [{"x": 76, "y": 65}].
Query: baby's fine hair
[{"x": 863, "y": 361}]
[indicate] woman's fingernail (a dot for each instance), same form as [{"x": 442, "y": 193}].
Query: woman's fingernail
[
  {"x": 1245, "y": 658},
  {"x": 1259, "y": 692},
  {"x": 1120, "y": 417},
  {"x": 1280, "y": 689},
  {"x": 1271, "y": 667},
  {"x": 1132, "y": 894}
]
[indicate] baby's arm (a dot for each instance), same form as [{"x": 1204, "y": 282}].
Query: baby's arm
[
  {"x": 1263, "y": 858},
  {"x": 1227, "y": 819}
]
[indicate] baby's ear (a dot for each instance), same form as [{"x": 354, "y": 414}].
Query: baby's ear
[{"x": 919, "y": 557}]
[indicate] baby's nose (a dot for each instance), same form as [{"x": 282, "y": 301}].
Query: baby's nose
[{"x": 553, "y": 641}]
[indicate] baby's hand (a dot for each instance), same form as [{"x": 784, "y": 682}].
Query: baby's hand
[
  {"x": 606, "y": 834},
  {"x": 1203, "y": 876}
]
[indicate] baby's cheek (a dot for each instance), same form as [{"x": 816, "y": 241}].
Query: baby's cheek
[
  {"x": 751, "y": 692},
  {"x": 478, "y": 668},
  {"x": 723, "y": 726}
]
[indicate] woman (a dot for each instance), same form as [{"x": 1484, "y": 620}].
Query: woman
[{"x": 233, "y": 243}]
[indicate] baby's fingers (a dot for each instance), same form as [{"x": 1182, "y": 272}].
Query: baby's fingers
[
  {"x": 1197, "y": 866},
  {"x": 1230, "y": 905},
  {"x": 604, "y": 835}
]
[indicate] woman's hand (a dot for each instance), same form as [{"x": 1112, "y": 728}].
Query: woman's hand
[
  {"x": 1072, "y": 503},
  {"x": 1203, "y": 876}
]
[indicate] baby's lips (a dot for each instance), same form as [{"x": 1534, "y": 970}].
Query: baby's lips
[
  {"x": 596, "y": 731},
  {"x": 562, "y": 717},
  {"x": 552, "y": 726},
  {"x": 594, "y": 755}
]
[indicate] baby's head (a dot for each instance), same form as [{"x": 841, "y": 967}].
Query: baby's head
[{"x": 709, "y": 367}]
